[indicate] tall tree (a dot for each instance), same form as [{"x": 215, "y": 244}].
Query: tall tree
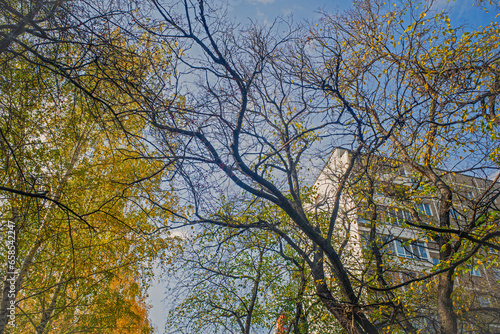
[
  {"x": 431, "y": 89},
  {"x": 268, "y": 102},
  {"x": 251, "y": 125},
  {"x": 86, "y": 207}
]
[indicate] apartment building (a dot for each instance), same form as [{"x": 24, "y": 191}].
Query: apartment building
[{"x": 385, "y": 204}]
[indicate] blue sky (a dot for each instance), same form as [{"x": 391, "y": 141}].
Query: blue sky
[
  {"x": 269, "y": 9},
  {"x": 461, "y": 12}
]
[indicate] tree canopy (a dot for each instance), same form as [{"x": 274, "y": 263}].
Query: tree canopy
[{"x": 123, "y": 122}]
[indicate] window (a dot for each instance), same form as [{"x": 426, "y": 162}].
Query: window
[
  {"x": 401, "y": 250},
  {"x": 415, "y": 250},
  {"x": 425, "y": 209},
  {"x": 435, "y": 261},
  {"x": 420, "y": 251},
  {"x": 363, "y": 221},
  {"x": 474, "y": 270},
  {"x": 454, "y": 214},
  {"x": 398, "y": 216}
]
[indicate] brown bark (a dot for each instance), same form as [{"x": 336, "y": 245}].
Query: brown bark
[{"x": 447, "y": 316}]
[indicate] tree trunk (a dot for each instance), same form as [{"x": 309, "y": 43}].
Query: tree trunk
[
  {"x": 349, "y": 316},
  {"x": 447, "y": 316}
]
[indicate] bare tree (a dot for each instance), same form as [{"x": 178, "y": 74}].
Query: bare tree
[
  {"x": 259, "y": 103},
  {"x": 244, "y": 133}
]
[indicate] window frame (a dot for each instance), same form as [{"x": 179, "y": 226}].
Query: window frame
[
  {"x": 473, "y": 271},
  {"x": 424, "y": 209},
  {"x": 400, "y": 216},
  {"x": 414, "y": 250}
]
